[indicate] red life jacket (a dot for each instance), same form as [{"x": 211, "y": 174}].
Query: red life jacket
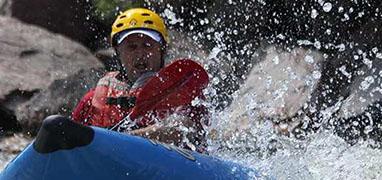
[{"x": 93, "y": 109}]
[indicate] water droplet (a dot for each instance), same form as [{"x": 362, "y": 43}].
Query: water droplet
[
  {"x": 365, "y": 84},
  {"x": 327, "y": 7},
  {"x": 379, "y": 55},
  {"x": 309, "y": 59},
  {"x": 215, "y": 81},
  {"x": 314, "y": 14},
  {"x": 276, "y": 60},
  {"x": 316, "y": 74}
]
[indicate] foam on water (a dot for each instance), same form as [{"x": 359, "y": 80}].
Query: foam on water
[{"x": 319, "y": 156}]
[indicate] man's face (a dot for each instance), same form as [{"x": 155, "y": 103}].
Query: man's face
[{"x": 140, "y": 54}]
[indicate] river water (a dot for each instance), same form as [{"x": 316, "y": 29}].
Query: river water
[{"x": 320, "y": 156}]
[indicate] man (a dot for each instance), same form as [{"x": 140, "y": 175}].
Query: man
[{"x": 140, "y": 38}]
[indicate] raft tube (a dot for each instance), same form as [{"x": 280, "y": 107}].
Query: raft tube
[{"x": 64, "y": 149}]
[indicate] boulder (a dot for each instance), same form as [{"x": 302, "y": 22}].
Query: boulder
[
  {"x": 278, "y": 86},
  {"x": 31, "y": 59},
  {"x": 60, "y": 97}
]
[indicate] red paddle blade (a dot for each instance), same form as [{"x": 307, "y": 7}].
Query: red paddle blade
[{"x": 177, "y": 84}]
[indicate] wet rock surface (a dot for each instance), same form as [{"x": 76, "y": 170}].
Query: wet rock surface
[{"x": 276, "y": 88}]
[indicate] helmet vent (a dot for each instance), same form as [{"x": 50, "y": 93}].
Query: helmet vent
[
  {"x": 119, "y": 25},
  {"x": 145, "y": 14},
  {"x": 148, "y": 22},
  {"x": 122, "y": 16}
]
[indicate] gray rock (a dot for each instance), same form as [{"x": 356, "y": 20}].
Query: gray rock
[
  {"x": 276, "y": 88},
  {"x": 31, "y": 59},
  {"x": 60, "y": 98}
]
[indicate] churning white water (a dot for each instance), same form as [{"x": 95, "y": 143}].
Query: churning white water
[{"x": 276, "y": 88}]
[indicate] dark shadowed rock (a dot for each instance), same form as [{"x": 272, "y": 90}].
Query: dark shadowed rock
[
  {"x": 72, "y": 18},
  {"x": 8, "y": 121},
  {"x": 60, "y": 98}
]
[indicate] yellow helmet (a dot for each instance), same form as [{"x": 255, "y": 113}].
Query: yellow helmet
[{"x": 138, "y": 19}]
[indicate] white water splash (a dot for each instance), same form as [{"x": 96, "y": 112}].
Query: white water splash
[
  {"x": 327, "y": 7},
  {"x": 172, "y": 17},
  {"x": 244, "y": 133}
]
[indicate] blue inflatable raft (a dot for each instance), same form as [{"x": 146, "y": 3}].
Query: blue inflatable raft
[{"x": 67, "y": 150}]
